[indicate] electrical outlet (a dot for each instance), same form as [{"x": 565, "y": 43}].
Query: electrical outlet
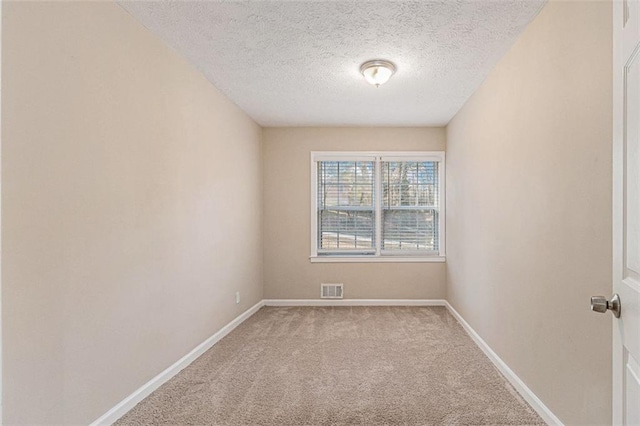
[{"x": 237, "y": 297}]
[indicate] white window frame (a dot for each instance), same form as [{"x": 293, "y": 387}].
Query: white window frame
[{"x": 377, "y": 157}]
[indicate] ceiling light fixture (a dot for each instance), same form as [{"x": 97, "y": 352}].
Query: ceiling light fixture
[{"x": 378, "y": 71}]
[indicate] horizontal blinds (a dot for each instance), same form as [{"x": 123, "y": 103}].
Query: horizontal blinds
[
  {"x": 346, "y": 212},
  {"x": 410, "y": 205}
]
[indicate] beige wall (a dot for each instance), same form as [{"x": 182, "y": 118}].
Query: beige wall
[
  {"x": 131, "y": 195},
  {"x": 287, "y": 202},
  {"x": 529, "y": 209}
]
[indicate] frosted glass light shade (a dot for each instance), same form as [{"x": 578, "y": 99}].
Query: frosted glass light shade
[{"x": 377, "y": 72}]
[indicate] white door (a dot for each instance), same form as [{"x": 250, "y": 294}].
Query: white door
[{"x": 626, "y": 211}]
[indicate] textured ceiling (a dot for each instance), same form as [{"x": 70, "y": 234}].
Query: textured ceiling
[{"x": 296, "y": 63}]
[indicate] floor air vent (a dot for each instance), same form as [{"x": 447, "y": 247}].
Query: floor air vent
[{"x": 331, "y": 291}]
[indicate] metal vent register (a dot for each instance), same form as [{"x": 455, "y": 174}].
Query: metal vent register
[{"x": 331, "y": 291}]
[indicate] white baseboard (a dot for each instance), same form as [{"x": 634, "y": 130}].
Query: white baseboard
[
  {"x": 542, "y": 410},
  {"x": 354, "y": 302},
  {"x": 145, "y": 390}
]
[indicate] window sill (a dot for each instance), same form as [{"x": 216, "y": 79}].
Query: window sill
[{"x": 381, "y": 259}]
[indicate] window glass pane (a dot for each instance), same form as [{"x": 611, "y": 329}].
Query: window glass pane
[
  {"x": 346, "y": 229},
  {"x": 408, "y": 183},
  {"x": 346, "y": 205},
  {"x": 410, "y": 206},
  {"x": 410, "y": 230},
  {"x": 345, "y": 183}
]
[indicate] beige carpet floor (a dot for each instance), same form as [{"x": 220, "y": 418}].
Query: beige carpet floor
[{"x": 339, "y": 366}]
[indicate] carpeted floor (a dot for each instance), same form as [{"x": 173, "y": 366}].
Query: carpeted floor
[{"x": 339, "y": 366}]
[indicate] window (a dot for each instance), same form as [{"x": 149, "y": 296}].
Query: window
[{"x": 377, "y": 206}]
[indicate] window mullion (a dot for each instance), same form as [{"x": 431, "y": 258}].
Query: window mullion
[{"x": 378, "y": 205}]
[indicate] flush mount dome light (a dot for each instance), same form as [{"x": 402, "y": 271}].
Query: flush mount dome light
[{"x": 378, "y": 71}]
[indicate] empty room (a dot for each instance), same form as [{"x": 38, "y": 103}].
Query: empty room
[{"x": 320, "y": 212}]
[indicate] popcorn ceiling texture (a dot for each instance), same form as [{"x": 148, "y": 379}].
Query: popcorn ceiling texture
[{"x": 296, "y": 63}]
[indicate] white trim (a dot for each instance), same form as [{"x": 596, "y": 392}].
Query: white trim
[
  {"x": 145, "y": 390},
  {"x": 374, "y": 259},
  {"x": 354, "y": 302},
  {"x": 1, "y": 346},
  {"x": 443, "y": 205},
  {"x": 378, "y": 207},
  {"x": 535, "y": 402},
  {"x": 435, "y": 156},
  {"x": 354, "y": 252},
  {"x": 340, "y": 156},
  {"x": 377, "y": 157},
  {"x": 619, "y": 107},
  {"x": 372, "y": 155},
  {"x": 314, "y": 205}
]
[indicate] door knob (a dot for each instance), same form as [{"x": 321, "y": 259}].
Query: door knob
[{"x": 601, "y": 304}]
